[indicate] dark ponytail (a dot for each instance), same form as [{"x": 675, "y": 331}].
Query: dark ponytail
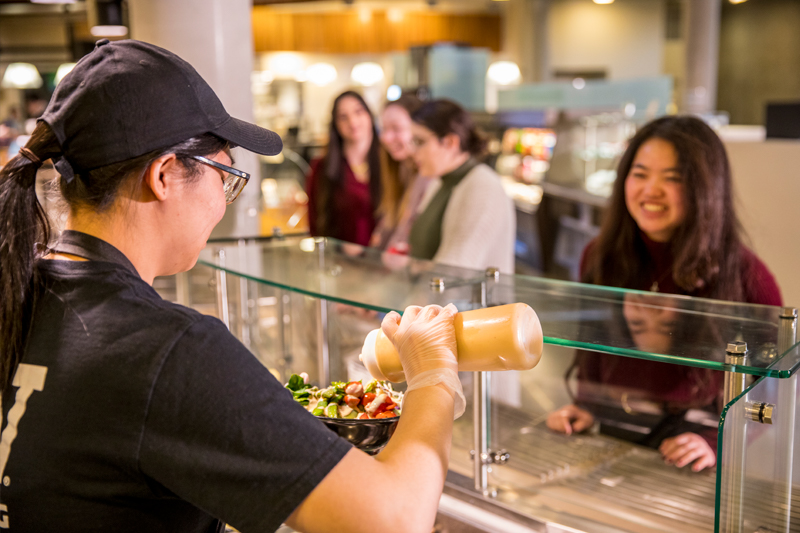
[
  {"x": 24, "y": 232},
  {"x": 444, "y": 117}
]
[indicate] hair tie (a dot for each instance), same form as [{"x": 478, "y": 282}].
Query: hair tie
[{"x": 30, "y": 156}]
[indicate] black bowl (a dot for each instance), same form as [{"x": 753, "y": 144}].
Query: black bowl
[{"x": 369, "y": 435}]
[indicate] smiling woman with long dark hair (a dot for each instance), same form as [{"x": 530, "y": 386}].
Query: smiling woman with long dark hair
[
  {"x": 671, "y": 224},
  {"x": 344, "y": 187},
  {"x": 670, "y": 227}
]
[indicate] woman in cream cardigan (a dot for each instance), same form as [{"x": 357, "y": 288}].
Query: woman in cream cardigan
[{"x": 466, "y": 219}]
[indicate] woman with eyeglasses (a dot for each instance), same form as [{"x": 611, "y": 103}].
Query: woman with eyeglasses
[
  {"x": 344, "y": 186},
  {"x": 466, "y": 219},
  {"x": 124, "y": 412}
]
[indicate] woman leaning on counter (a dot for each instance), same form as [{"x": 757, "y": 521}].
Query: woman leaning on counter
[
  {"x": 466, "y": 217},
  {"x": 127, "y": 413},
  {"x": 670, "y": 227}
]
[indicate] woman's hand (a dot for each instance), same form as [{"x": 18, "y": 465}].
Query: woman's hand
[
  {"x": 413, "y": 466},
  {"x": 687, "y": 448},
  {"x": 426, "y": 341},
  {"x": 569, "y": 419},
  {"x": 424, "y": 337}
]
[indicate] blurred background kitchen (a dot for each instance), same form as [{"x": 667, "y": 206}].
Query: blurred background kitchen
[{"x": 558, "y": 85}]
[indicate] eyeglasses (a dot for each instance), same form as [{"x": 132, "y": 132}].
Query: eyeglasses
[
  {"x": 232, "y": 182},
  {"x": 419, "y": 142}
]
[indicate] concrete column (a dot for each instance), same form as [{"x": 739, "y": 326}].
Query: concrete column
[
  {"x": 701, "y": 23},
  {"x": 525, "y": 38},
  {"x": 215, "y": 37}
]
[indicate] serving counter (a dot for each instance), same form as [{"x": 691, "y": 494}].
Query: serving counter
[{"x": 642, "y": 363}]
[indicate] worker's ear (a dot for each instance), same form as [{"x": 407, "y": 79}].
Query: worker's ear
[{"x": 162, "y": 177}]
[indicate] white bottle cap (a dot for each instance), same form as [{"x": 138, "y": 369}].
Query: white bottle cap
[{"x": 368, "y": 356}]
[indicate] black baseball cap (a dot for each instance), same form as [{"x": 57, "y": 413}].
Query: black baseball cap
[{"x": 127, "y": 98}]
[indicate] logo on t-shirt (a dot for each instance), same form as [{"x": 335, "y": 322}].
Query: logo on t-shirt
[{"x": 28, "y": 378}]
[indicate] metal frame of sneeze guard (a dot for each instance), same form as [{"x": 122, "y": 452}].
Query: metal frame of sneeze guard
[
  {"x": 572, "y": 315},
  {"x": 731, "y": 476}
]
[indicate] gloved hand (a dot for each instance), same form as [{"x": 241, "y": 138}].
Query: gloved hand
[{"x": 426, "y": 341}]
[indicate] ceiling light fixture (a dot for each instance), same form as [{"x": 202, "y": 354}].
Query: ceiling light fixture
[
  {"x": 393, "y": 92},
  {"x": 504, "y": 73},
  {"x": 63, "y": 70},
  {"x": 106, "y": 18},
  {"x": 367, "y": 74},
  {"x": 21, "y": 76},
  {"x": 321, "y": 74},
  {"x": 286, "y": 65}
]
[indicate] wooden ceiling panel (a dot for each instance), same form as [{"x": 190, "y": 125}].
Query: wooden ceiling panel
[{"x": 346, "y": 32}]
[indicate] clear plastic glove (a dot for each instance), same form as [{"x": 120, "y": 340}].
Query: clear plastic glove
[{"x": 426, "y": 341}]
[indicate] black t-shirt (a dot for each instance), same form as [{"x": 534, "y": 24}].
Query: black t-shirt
[{"x": 135, "y": 414}]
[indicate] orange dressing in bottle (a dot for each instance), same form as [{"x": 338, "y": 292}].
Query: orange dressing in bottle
[{"x": 506, "y": 337}]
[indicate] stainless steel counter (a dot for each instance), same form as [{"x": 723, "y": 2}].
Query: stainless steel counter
[{"x": 594, "y": 483}]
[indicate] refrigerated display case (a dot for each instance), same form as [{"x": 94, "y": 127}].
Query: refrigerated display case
[{"x": 305, "y": 304}]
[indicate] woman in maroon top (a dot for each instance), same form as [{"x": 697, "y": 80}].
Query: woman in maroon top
[
  {"x": 344, "y": 187},
  {"x": 671, "y": 228}
]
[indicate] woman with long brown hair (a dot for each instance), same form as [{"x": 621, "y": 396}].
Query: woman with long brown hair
[
  {"x": 670, "y": 227},
  {"x": 344, "y": 186},
  {"x": 403, "y": 188}
]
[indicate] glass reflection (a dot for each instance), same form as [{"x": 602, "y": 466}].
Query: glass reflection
[{"x": 671, "y": 407}]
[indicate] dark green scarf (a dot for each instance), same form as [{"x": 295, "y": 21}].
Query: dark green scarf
[{"x": 426, "y": 232}]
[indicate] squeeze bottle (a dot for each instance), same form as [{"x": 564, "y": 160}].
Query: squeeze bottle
[{"x": 506, "y": 337}]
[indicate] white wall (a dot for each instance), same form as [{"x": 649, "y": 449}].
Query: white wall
[
  {"x": 767, "y": 190},
  {"x": 625, "y": 38}
]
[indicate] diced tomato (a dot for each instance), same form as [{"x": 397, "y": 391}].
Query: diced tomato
[
  {"x": 363, "y": 416},
  {"x": 355, "y": 388},
  {"x": 351, "y": 401},
  {"x": 367, "y": 399},
  {"x": 386, "y": 414}
]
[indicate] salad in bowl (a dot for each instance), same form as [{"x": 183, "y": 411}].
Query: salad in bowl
[
  {"x": 353, "y": 400},
  {"x": 364, "y": 415}
]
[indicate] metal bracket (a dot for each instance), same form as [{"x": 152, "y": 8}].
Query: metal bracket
[
  {"x": 493, "y": 273},
  {"x": 437, "y": 284},
  {"x": 759, "y": 412},
  {"x": 499, "y": 457}
]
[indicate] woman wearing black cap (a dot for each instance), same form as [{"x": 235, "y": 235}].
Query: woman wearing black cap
[{"x": 124, "y": 412}]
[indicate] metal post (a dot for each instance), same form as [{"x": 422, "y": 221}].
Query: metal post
[
  {"x": 244, "y": 310},
  {"x": 785, "y": 420},
  {"x": 734, "y": 451},
  {"x": 280, "y": 311},
  {"x": 481, "y": 421},
  {"x": 222, "y": 290},
  {"x": 182, "y": 289},
  {"x": 482, "y": 455},
  {"x": 323, "y": 356}
]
